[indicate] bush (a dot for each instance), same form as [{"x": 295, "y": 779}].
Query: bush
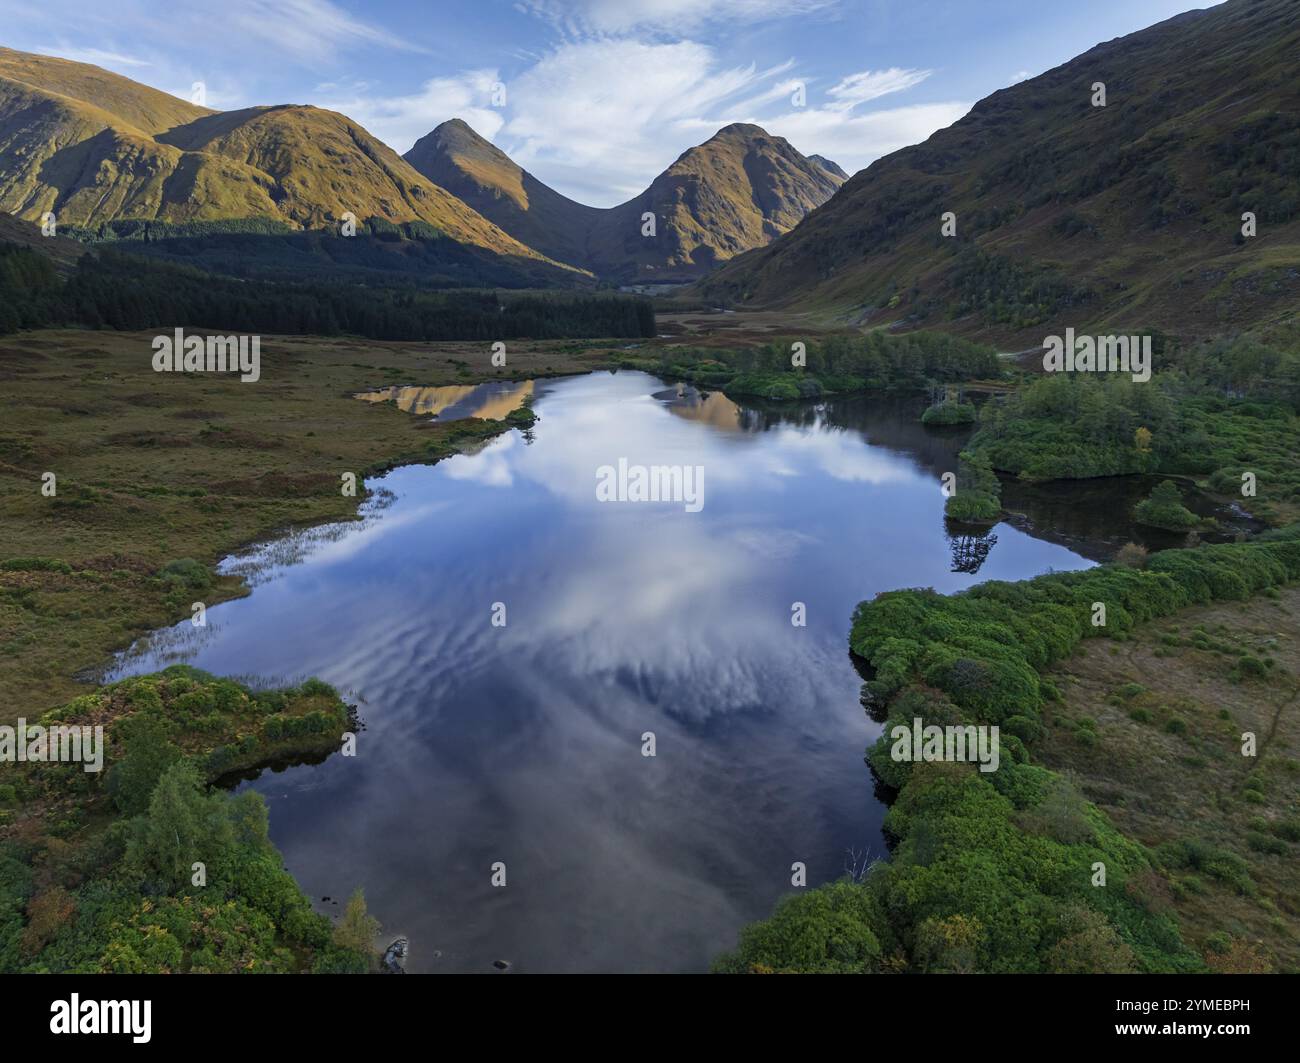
[
  {"x": 949, "y": 413},
  {"x": 188, "y": 574},
  {"x": 1132, "y": 555},
  {"x": 36, "y": 564},
  {"x": 978, "y": 495},
  {"x": 1164, "y": 509},
  {"x": 823, "y": 931}
]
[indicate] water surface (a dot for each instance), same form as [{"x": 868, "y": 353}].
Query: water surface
[
  {"x": 522, "y": 743},
  {"x": 454, "y": 402}
]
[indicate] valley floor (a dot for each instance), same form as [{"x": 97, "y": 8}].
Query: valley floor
[
  {"x": 1151, "y": 728},
  {"x": 153, "y": 468}
]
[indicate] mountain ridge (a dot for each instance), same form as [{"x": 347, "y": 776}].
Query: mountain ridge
[
  {"x": 1125, "y": 214},
  {"x": 134, "y": 153},
  {"x": 737, "y": 190}
]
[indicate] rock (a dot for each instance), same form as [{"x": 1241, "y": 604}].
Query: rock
[
  {"x": 394, "y": 961},
  {"x": 501, "y": 965}
]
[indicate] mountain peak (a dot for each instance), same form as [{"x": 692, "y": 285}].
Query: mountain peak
[
  {"x": 96, "y": 147},
  {"x": 742, "y": 131},
  {"x": 457, "y": 126},
  {"x": 735, "y": 192},
  {"x": 830, "y": 165}
]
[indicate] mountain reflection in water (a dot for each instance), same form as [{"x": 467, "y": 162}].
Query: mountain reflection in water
[
  {"x": 453, "y": 402},
  {"x": 523, "y": 743}
]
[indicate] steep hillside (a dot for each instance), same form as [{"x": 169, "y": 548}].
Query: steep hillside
[
  {"x": 132, "y": 104},
  {"x": 735, "y": 192},
  {"x": 62, "y": 252},
  {"x": 827, "y": 164},
  {"x": 94, "y": 147},
  {"x": 478, "y": 173},
  {"x": 1128, "y": 214}
]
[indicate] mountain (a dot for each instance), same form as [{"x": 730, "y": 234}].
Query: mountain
[
  {"x": 827, "y": 164},
  {"x": 62, "y": 252},
  {"x": 95, "y": 147},
  {"x": 456, "y": 158},
  {"x": 737, "y": 191},
  {"x": 1126, "y": 215}
]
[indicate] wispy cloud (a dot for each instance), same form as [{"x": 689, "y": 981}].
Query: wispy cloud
[
  {"x": 312, "y": 30},
  {"x": 600, "y": 118},
  {"x": 400, "y": 121},
  {"x": 578, "y": 18},
  {"x": 305, "y": 32},
  {"x": 96, "y": 56},
  {"x": 596, "y": 108},
  {"x": 872, "y": 84}
]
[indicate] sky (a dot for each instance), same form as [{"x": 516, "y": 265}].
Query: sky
[{"x": 594, "y": 97}]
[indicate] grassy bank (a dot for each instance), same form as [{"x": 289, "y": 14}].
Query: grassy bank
[
  {"x": 1150, "y": 726},
  {"x": 786, "y": 370},
  {"x": 1236, "y": 437},
  {"x": 140, "y": 867},
  {"x": 157, "y": 468},
  {"x": 999, "y": 871}
]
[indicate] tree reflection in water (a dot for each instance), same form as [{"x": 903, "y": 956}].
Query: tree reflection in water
[{"x": 969, "y": 552}]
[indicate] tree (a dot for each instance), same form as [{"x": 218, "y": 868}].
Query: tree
[
  {"x": 1090, "y": 946},
  {"x": 1164, "y": 509},
  {"x": 948, "y": 945},
  {"x": 47, "y": 913},
  {"x": 184, "y": 824},
  {"x": 827, "y": 930},
  {"x": 358, "y": 928},
  {"x": 148, "y": 754}
]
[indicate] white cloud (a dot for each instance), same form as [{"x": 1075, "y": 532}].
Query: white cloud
[
  {"x": 599, "y": 119},
  {"x": 597, "y": 115},
  {"x": 309, "y": 32},
  {"x": 313, "y": 30},
  {"x": 399, "y": 121},
  {"x": 95, "y": 56},
  {"x": 579, "y": 18},
  {"x": 855, "y": 140},
  {"x": 872, "y": 84}
]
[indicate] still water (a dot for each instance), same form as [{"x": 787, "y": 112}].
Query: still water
[{"x": 522, "y": 744}]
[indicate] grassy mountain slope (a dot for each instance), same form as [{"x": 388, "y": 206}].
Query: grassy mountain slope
[
  {"x": 62, "y": 252},
  {"x": 1069, "y": 213},
  {"x": 480, "y": 174},
  {"x": 737, "y": 191},
  {"x": 94, "y": 147},
  {"x": 144, "y": 109}
]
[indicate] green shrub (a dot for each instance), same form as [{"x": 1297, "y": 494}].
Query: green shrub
[
  {"x": 188, "y": 574},
  {"x": 949, "y": 413},
  {"x": 1164, "y": 509}
]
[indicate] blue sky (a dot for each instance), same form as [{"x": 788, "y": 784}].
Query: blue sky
[{"x": 599, "y": 95}]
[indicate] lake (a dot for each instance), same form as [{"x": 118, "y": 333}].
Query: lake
[{"x": 522, "y": 743}]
